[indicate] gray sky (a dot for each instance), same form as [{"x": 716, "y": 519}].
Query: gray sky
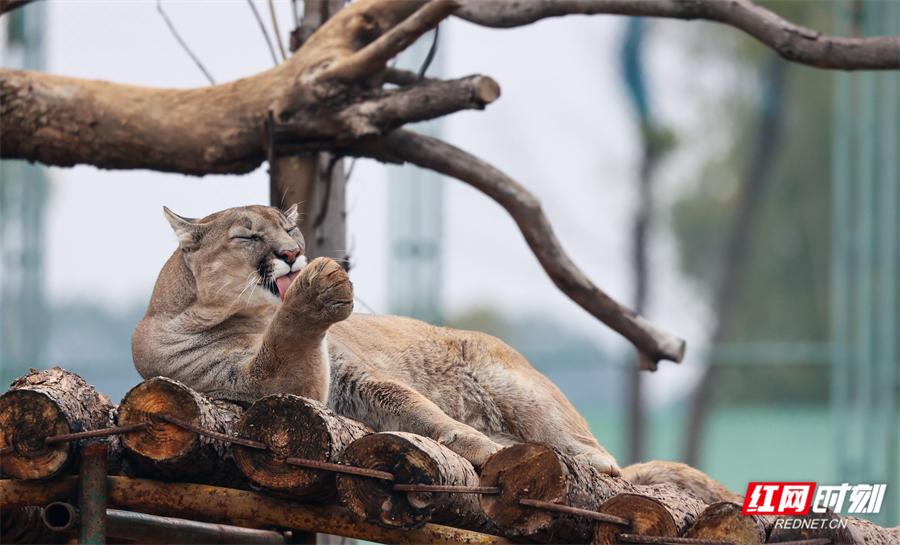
[{"x": 562, "y": 128}]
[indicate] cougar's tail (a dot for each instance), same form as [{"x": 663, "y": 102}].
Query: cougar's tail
[{"x": 682, "y": 475}]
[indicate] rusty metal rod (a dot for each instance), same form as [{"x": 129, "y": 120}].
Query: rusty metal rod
[
  {"x": 666, "y": 540},
  {"x": 92, "y": 494},
  {"x": 586, "y": 513},
  {"x": 340, "y": 468},
  {"x": 301, "y": 462},
  {"x": 449, "y": 488},
  {"x": 94, "y": 433},
  {"x": 211, "y": 434},
  {"x": 810, "y": 541}
]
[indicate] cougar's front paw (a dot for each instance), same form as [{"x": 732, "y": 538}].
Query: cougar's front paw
[
  {"x": 602, "y": 461},
  {"x": 471, "y": 445},
  {"x": 323, "y": 292}
]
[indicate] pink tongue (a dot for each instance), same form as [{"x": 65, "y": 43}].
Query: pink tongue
[{"x": 284, "y": 282}]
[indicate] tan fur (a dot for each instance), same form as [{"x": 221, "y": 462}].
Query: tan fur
[
  {"x": 467, "y": 390},
  {"x": 682, "y": 475}
]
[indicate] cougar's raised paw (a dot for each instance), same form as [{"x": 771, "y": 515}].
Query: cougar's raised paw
[
  {"x": 602, "y": 461},
  {"x": 323, "y": 291}
]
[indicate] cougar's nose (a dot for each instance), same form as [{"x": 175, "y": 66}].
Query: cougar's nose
[{"x": 288, "y": 256}]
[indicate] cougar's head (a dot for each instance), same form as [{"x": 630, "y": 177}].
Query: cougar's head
[{"x": 241, "y": 256}]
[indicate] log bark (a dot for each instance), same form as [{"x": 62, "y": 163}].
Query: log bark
[
  {"x": 43, "y": 404},
  {"x": 222, "y": 128},
  {"x": 293, "y": 426},
  {"x": 168, "y": 451},
  {"x": 724, "y": 521},
  {"x": 412, "y": 459},
  {"x": 237, "y": 507},
  {"x": 539, "y": 472},
  {"x": 653, "y": 510}
]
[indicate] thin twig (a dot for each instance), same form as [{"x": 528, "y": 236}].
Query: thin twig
[
  {"x": 265, "y": 33},
  {"x": 182, "y": 43},
  {"x": 276, "y": 30},
  {"x": 432, "y": 51}
]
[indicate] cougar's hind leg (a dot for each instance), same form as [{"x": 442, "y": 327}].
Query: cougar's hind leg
[
  {"x": 387, "y": 405},
  {"x": 534, "y": 408}
]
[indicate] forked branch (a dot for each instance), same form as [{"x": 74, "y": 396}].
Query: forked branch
[
  {"x": 426, "y": 152},
  {"x": 793, "y": 42},
  {"x": 374, "y": 57}
]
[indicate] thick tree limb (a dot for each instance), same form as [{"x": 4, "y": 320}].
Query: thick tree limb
[
  {"x": 523, "y": 206},
  {"x": 390, "y": 110},
  {"x": 793, "y": 42},
  {"x": 219, "y": 129}
]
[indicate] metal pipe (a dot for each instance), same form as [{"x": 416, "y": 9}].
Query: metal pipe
[
  {"x": 63, "y": 517},
  {"x": 155, "y": 529},
  {"x": 92, "y": 494},
  {"x": 59, "y": 516}
]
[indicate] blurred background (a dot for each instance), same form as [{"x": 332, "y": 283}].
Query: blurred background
[{"x": 749, "y": 205}]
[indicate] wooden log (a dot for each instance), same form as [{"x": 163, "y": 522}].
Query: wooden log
[
  {"x": 412, "y": 459},
  {"x": 238, "y": 507},
  {"x": 539, "y": 472},
  {"x": 652, "y": 510},
  {"x": 169, "y": 451},
  {"x": 724, "y": 521},
  {"x": 43, "y": 404},
  {"x": 294, "y": 427},
  {"x": 840, "y": 530}
]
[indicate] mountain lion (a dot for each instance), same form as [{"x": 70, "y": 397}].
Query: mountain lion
[{"x": 237, "y": 312}]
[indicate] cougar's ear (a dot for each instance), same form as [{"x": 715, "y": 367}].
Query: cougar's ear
[
  {"x": 292, "y": 214},
  {"x": 188, "y": 231}
]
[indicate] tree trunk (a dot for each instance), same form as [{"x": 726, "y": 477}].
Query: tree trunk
[
  {"x": 724, "y": 521},
  {"x": 653, "y": 510},
  {"x": 412, "y": 459},
  {"x": 44, "y": 404},
  {"x": 539, "y": 472},
  {"x": 293, "y": 426},
  {"x": 167, "y": 450}
]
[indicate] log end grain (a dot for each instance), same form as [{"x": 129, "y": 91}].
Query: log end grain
[
  {"x": 292, "y": 426},
  {"x": 412, "y": 459},
  {"x": 522, "y": 471},
  {"x": 724, "y": 521},
  {"x": 160, "y": 441},
  {"x": 646, "y": 515},
  {"x": 27, "y": 417}
]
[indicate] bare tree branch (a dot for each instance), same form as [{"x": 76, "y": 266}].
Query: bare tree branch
[
  {"x": 220, "y": 129},
  {"x": 9, "y": 5},
  {"x": 793, "y": 42},
  {"x": 404, "y": 146},
  {"x": 375, "y": 56}
]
